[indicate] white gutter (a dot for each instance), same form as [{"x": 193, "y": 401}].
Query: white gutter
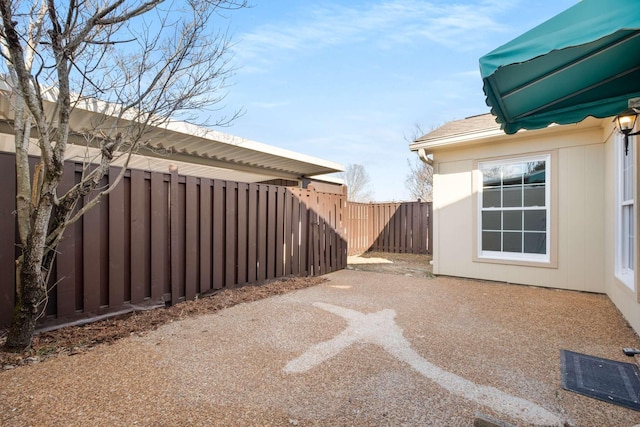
[{"x": 424, "y": 156}]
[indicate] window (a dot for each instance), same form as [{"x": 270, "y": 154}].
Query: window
[
  {"x": 625, "y": 230},
  {"x": 514, "y": 209}
]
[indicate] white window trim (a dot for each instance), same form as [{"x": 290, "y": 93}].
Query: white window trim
[
  {"x": 624, "y": 275},
  {"x": 510, "y": 256}
]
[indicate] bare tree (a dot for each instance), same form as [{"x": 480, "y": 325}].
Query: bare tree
[
  {"x": 419, "y": 180},
  {"x": 358, "y": 183},
  {"x": 134, "y": 64}
]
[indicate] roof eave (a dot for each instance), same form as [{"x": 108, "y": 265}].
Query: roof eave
[
  {"x": 455, "y": 140},
  {"x": 496, "y": 134}
]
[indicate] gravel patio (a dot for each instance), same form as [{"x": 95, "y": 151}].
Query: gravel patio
[{"x": 361, "y": 349}]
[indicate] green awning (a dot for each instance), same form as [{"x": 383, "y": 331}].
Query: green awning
[{"x": 583, "y": 62}]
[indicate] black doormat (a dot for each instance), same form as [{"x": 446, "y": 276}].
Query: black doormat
[{"x": 608, "y": 380}]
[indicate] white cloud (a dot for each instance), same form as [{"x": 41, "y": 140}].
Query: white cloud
[{"x": 385, "y": 23}]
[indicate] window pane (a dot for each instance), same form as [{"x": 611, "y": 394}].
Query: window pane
[
  {"x": 491, "y": 198},
  {"x": 627, "y": 237},
  {"x": 534, "y": 195},
  {"x": 512, "y": 174},
  {"x": 491, "y": 176},
  {"x": 535, "y": 172},
  {"x": 535, "y": 220},
  {"x": 627, "y": 174},
  {"x": 631, "y": 239},
  {"x": 535, "y": 243},
  {"x": 491, "y": 241},
  {"x": 513, "y": 220},
  {"x": 514, "y": 207},
  {"x": 512, "y": 196},
  {"x": 491, "y": 221},
  {"x": 512, "y": 242}
]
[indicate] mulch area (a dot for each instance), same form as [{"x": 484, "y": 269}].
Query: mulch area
[{"x": 78, "y": 339}]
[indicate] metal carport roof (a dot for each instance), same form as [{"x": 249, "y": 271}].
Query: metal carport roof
[{"x": 196, "y": 150}]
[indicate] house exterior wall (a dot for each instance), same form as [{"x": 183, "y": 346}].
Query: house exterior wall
[
  {"x": 579, "y": 190},
  {"x": 624, "y": 298}
]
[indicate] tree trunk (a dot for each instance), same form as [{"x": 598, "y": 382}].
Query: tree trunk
[
  {"x": 25, "y": 315},
  {"x": 32, "y": 287}
]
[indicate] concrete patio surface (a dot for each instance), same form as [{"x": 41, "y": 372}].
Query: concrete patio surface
[{"x": 362, "y": 349}]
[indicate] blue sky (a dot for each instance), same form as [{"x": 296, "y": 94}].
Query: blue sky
[{"x": 348, "y": 81}]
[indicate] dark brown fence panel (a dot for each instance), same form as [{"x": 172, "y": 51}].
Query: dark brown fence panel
[
  {"x": 326, "y": 232},
  {"x": 304, "y": 252},
  {"x": 252, "y": 233},
  {"x": 296, "y": 245},
  {"x": 118, "y": 277},
  {"x": 218, "y": 235},
  {"x": 271, "y": 233},
  {"x": 7, "y": 235},
  {"x": 176, "y": 240},
  {"x": 205, "y": 236},
  {"x": 159, "y": 237},
  {"x": 262, "y": 231},
  {"x": 66, "y": 265},
  {"x": 243, "y": 230},
  {"x": 192, "y": 250},
  {"x": 91, "y": 257},
  {"x": 162, "y": 238},
  {"x": 140, "y": 237},
  {"x": 230, "y": 233},
  {"x": 280, "y": 219},
  {"x": 288, "y": 233},
  {"x": 389, "y": 227}
]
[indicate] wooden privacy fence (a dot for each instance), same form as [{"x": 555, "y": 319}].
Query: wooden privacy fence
[
  {"x": 161, "y": 238},
  {"x": 404, "y": 227}
]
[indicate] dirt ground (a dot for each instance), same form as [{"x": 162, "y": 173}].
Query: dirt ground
[
  {"x": 359, "y": 349},
  {"x": 283, "y": 370},
  {"x": 79, "y": 339},
  {"x": 413, "y": 265}
]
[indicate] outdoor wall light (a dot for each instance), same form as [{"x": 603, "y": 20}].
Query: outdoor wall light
[{"x": 625, "y": 122}]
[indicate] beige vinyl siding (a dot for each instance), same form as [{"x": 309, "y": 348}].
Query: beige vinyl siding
[
  {"x": 579, "y": 232},
  {"x": 585, "y": 167},
  {"x": 581, "y": 216},
  {"x": 452, "y": 189}
]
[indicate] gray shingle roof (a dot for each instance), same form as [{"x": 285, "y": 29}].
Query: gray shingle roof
[{"x": 461, "y": 127}]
